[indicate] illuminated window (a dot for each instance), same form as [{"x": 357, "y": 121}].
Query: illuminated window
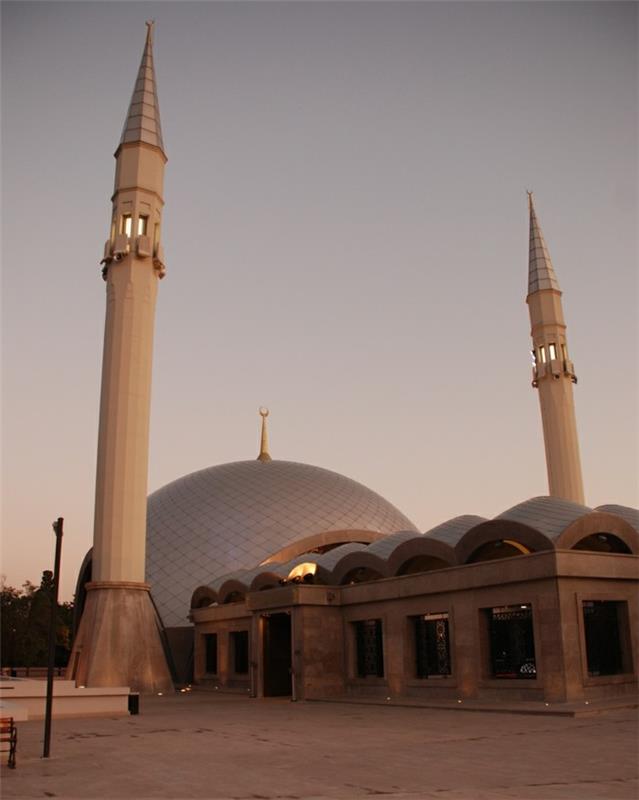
[
  {"x": 142, "y": 225},
  {"x": 542, "y": 354},
  {"x": 552, "y": 349},
  {"x": 564, "y": 352},
  {"x": 127, "y": 222}
]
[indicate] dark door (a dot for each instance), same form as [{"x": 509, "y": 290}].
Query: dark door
[{"x": 277, "y": 655}]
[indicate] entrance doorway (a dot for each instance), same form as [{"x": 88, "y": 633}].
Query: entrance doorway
[{"x": 277, "y": 655}]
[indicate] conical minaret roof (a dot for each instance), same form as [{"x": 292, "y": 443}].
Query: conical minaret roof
[
  {"x": 142, "y": 122},
  {"x": 541, "y": 274}
]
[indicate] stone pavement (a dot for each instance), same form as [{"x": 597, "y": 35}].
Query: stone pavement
[{"x": 202, "y": 745}]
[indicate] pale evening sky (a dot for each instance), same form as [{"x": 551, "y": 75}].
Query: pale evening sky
[{"x": 346, "y": 236}]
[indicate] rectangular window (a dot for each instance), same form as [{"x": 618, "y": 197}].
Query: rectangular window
[
  {"x": 239, "y": 652},
  {"x": 370, "y": 649},
  {"x": 542, "y": 354},
  {"x": 607, "y": 636},
  {"x": 142, "y": 225},
  {"x": 512, "y": 644},
  {"x": 432, "y": 645},
  {"x": 564, "y": 352},
  {"x": 127, "y": 222},
  {"x": 552, "y": 349},
  {"x": 156, "y": 236},
  {"x": 210, "y": 647}
]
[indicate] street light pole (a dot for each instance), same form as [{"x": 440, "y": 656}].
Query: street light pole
[{"x": 57, "y": 529}]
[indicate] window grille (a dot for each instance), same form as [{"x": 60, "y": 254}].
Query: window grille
[
  {"x": 370, "y": 650},
  {"x": 603, "y": 625},
  {"x": 432, "y": 645},
  {"x": 512, "y": 643},
  {"x": 210, "y": 648},
  {"x": 240, "y": 647}
]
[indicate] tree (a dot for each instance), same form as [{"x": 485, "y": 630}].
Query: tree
[{"x": 26, "y": 615}]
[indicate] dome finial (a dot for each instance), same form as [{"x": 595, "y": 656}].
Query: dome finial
[{"x": 264, "y": 453}]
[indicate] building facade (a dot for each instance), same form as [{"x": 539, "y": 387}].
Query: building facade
[{"x": 538, "y": 604}]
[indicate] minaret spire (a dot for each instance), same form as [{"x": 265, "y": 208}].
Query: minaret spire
[
  {"x": 142, "y": 123},
  {"x": 553, "y": 372},
  {"x": 541, "y": 273},
  {"x": 264, "y": 453}
]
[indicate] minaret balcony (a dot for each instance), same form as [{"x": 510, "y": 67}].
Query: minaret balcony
[
  {"x": 143, "y": 247},
  {"x": 121, "y": 246},
  {"x": 556, "y": 368},
  {"x": 114, "y": 251},
  {"x": 158, "y": 261},
  {"x": 569, "y": 370},
  {"x": 539, "y": 371}
]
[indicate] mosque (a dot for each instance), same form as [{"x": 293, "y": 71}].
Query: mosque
[{"x": 271, "y": 577}]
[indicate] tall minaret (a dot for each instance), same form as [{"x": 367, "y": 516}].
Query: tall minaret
[
  {"x": 553, "y": 372},
  {"x": 118, "y": 642}
]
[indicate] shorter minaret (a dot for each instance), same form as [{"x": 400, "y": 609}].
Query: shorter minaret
[{"x": 553, "y": 371}]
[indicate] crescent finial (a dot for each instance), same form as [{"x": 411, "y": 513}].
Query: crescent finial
[{"x": 264, "y": 453}]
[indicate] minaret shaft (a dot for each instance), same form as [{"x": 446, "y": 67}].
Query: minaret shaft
[
  {"x": 123, "y": 440},
  {"x": 553, "y": 372}
]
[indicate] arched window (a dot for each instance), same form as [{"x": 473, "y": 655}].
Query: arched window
[
  {"x": 500, "y": 548},
  {"x": 234, "y": 597},
  {"x": 360, "y": 575},
  {"x": 421, "y": 563},
  {"x": 603, "y": 543}
]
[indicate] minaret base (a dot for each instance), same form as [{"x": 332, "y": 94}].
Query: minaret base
[{"x": 118, "y": 642}]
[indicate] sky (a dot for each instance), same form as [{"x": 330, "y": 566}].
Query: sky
[{"x": 346, "y": 236}]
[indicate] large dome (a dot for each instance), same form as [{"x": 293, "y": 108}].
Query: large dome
[{"x": 234, "y": 516}]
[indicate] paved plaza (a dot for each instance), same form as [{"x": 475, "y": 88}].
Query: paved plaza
[{"x": 202, "y": 745}]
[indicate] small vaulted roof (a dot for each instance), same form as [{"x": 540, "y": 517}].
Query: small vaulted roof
[
  {"x": 630, "y": 515},
  {"x": 451, "y": 531},
  {"x": 541, "y": 273},
  {"x": 549, "y": 516},
  {"x": 142, "y": 122}
]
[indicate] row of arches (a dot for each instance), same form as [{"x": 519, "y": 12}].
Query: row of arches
[{"x": 540, "y": 524}]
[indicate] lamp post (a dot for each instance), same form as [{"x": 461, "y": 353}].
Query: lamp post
[{"x": 57, "y": 529}]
